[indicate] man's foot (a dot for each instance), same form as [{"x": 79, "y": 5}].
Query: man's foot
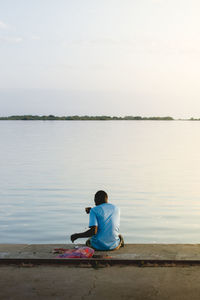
[{"x": 121, "y": 240}]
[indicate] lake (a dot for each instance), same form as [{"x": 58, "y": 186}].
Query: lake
[{"x": 50, "y": 171}]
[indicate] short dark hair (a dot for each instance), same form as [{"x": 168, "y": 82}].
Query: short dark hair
[{"x": 100, "y": 197}]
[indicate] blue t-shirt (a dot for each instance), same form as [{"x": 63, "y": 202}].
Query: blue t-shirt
[{"x": 106, "y": 217}]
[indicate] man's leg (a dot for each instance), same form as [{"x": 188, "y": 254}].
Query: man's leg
[{"x": 121, "y": 243}]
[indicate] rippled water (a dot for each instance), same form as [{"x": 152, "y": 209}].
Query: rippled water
[{"x": 50, "y": 170}]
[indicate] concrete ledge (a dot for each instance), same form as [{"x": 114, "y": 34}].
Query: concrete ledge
[
  {"x": 93, "y": 262},
  {"x": 131, "y": 254}
]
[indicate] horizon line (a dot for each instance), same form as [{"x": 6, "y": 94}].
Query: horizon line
[{"x": 93, "y": 117}]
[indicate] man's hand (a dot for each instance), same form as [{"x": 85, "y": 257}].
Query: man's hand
[
  {"x": 74, "y": 237},
  {"x": 87, "y": 209}
]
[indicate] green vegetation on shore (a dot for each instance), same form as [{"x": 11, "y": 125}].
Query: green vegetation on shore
[
  {"x": 194, "y": 119},
  {"x": 85, "y": 118}
]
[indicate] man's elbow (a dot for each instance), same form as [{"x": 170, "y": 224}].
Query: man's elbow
[{"x": 94, "y": 230}]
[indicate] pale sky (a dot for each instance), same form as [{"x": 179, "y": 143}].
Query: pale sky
[{"x": 112, "y": 57}]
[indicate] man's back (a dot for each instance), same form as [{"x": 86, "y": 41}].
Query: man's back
[{"x": 106, "y": 217}]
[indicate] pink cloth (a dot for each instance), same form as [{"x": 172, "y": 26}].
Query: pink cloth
[{"x": 81, "y": 252}]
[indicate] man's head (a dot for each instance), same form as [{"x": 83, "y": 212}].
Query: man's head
[{"x": 100, "y": 197}]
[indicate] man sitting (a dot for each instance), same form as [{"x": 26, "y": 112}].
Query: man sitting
[{"x": 104, "y": 225}]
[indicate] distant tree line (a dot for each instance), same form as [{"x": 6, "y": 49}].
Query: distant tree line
[
  {"x": 85, "y": 118},
  {"x": 194, "y": 119}
]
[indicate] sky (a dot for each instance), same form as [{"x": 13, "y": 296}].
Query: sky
[{"x": 100, "y": 57}]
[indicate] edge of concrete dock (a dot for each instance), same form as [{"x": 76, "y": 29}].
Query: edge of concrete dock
[{"x": 131, "y": 254}]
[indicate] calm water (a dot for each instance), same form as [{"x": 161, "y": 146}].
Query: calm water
[{"x": 49, "y": 171}]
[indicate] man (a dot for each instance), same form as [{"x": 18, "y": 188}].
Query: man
[{"x": 104, "y": 225}]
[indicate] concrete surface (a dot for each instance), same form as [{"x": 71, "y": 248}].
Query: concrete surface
[
  {"x": 110, "y": 283},
  {"x": 130, "y": 251},
  {"x": 58, "y": 282}
]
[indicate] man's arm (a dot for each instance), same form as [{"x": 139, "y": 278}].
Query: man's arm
[{"x": 89, "y": 233}]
